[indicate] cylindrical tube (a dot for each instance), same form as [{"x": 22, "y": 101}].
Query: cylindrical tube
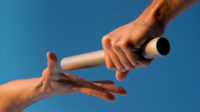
[
  {"x": 86, "y": 60},
  {"x": 157, "y": 47}
]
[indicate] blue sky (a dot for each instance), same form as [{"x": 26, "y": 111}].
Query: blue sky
[{"x": 30, "y": 28}]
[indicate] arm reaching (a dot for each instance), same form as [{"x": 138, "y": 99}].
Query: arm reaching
[
  {"x": 15, "y": 96},
  {"x": 121, "y": 46}
]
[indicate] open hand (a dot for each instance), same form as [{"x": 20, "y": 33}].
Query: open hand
[{"x": 56, "y": 82}]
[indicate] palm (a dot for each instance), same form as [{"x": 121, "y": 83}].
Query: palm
[{"x": 59, "y": 83}]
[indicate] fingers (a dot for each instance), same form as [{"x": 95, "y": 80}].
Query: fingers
[
  {"x": 97, "y": 92},
  {"x": 112, "y": 88},
  {"x": 112, "y": 61},
  {"x": 109, "y": 63},
  {"x": 52, "y": 60},
  {"x": 116, "y": 61},
  {"x": 136, "y": 58},
  {"x": 122, "y": 56},
  {"x": 120, "y": 76},
  {"x": 101, "y": 89},
  {"x": 107, "y": 82},
  {"x": 114, "y": 55},
  {"x": 52, "y": 71},
  {"x": 109, "y": 86}
]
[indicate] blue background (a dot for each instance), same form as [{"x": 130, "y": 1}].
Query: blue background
[{"x": 30, "y": 28}]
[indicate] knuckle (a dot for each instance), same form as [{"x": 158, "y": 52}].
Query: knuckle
[
  {"x": 105, "y": 36},
  {"x": 113, "y": 43},
  {"x": 119, "y": 45},
  {"x": 122, "y": 44},
  {"x": 105, "y": 40},
  {"x": 116, "y": 48}
]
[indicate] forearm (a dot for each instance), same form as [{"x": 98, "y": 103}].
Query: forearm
[
  {"x": 164, "y": 11},
  {"x": 17, "y": 95}
]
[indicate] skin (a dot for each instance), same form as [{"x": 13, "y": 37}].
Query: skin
[
  {"x": 16, "y": 95},
  {"x": 122, "y": 46}
]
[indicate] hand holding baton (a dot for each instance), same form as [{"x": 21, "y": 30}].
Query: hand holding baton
[{"x": 156, "y": 47}]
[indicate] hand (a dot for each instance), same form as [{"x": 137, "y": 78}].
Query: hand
[
  {"x": 56, "y": 82},
  {"x": 122, "y": 46}
]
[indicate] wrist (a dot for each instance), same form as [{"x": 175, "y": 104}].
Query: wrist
[
  {"x": 43, "y": 88},
  {"x": 33, "y": 93},
  {"x": 152, "y": 15},
  {"x": 19, "y": 94},
  {"x": 36, "y": 91},
  {"x": 154, "y": 27}
]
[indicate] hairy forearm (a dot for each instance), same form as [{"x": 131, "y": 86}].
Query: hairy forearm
[
  {"x": 19, "y": 94},
  {"x": 164, "y": 11}
]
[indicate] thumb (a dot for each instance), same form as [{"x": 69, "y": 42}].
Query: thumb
[
  {"x": 120, "y": 76},
  {"x": 52, "y": 60}
]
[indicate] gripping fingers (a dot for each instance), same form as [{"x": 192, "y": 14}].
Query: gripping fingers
[
  {"x": 142, "y": 61},
  {"x": 112, "y": 60},
  {"x": 109, "y": 63},
  {"x": 120, "y": 76},
  {"x": 123, "y": 58},
  {"x": 116, "y": 61},
  {"x": 136, "y": 59},
  {"x": 106, "y": 47}
]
